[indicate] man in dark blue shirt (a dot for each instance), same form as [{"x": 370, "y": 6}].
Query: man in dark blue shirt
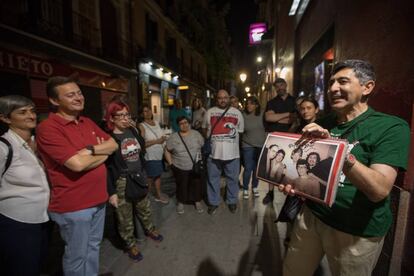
[
  {"x": 279, "y": 109},
  {"x": 277, "y": 117}
]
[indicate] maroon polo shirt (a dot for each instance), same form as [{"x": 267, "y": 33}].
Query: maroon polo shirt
[{"x": 58, "y": 140}]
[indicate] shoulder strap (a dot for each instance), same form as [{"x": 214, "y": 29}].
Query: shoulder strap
[
  {"x": 137, "y": 134},
  {"x": 9, "y": 155},
  {"x": 185, "y": 145},
  {"x": 222, "y": 115},
  {"x": 149, "y": 127},
  {"x": 118, "y": 152}
]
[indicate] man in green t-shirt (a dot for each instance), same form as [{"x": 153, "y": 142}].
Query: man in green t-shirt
[{"x": 351, "y": 232}]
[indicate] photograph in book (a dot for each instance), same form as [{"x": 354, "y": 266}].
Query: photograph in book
[{"x": 311, "y": 166}]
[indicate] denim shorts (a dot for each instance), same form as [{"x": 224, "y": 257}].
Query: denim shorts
[{"x": 154, "y": 168}]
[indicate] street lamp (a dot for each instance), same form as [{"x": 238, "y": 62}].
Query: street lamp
[
  {"x": 259, "y": 59},
  {"x": 247, "y": 89},
  {"x": 243, "y": 77}
]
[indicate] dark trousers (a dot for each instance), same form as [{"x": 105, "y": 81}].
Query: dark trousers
[
  {"x": 23, "y": 246},
  {"x": 188, "y": 188}
]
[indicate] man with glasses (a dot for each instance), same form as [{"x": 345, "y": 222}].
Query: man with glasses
[
  {"x": 225, "y": 154},
  {"x": 74, "y": 149}
]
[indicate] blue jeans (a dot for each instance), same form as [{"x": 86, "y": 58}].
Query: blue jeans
[
  {"x": 250, "y": 159},
  {"x": 82, "y": 233},
  {"x": 231, "y": 171}
]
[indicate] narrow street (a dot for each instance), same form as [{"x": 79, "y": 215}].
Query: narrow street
[{"x": 245, "y": 243}]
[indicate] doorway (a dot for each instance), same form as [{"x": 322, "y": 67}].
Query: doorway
[{"x": 156, "y": 107}]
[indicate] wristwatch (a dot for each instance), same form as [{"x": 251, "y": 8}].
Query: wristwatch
[
  {"x": 91, "y": 148},
  {"x": 350, "y": 160}
]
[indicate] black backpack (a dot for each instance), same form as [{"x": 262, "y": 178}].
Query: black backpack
[{"x": 9, "y": 155}]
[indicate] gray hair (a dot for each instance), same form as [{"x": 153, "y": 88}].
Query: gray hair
[
  {"x": 12, "y": 102},
  {"x": 364, "y": 71}
]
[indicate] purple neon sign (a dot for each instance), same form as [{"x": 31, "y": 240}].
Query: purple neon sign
[{"x": 256, "y": 32}]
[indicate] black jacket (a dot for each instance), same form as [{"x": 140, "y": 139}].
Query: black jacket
[{"x": 116, "y": 165}]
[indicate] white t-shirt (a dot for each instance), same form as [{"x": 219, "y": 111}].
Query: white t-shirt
[
  {"x": 225, "y": 138},
  {"x": 156, "y": 151}
]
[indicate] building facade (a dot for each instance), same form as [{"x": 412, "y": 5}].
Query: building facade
[
  {"x": 169, "y": 65},
  {"x": 309, "y": 36},
  {"x": 46, "y": 38}
]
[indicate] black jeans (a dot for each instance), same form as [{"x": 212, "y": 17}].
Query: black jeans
[
  {"x": 189, "y": 189},
  {"x": 23, "y": 247}
]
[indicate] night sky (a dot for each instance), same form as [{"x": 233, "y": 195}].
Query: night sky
[{"x": 242, "y": 13}]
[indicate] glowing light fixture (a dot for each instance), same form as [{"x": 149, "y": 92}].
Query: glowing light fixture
[
  {"x": 257, "y": 30},
  {"x": 243, "y": 77},
  {"x": 294, "y": 7}
]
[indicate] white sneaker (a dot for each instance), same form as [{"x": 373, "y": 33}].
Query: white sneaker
[
  {"x": 163, "y": 199},
  {"x": 180, "y": 208},
  {"x": 246, "y": 194},
  {"x": 199, "y": 207},
  {"x": 256, "y": 192}
]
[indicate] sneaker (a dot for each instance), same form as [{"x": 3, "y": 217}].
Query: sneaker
[
  {"x": 162, "y": 198},
  {"x": 212, "y": 209},
  {"x": 256, "y": 192},
  {"x": 199, "y": 207},
  {"x": 233, "y": 208},
  {"x": 134, "y": 254},
  {"x": 246, "y": 194},
  {"x": 268, "y": 198},
  {"x": 155, "y": 236},
  {"x": 180, "y": 208}
]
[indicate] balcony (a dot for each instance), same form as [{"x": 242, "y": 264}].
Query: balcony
[
  {"x": 49, "y": 19},
  {"x": 155, "y": 51},
  {"x": 85, "y": 35}
]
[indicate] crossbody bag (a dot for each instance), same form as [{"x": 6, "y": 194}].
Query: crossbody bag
[
  {"x": 199, "y": 167},
  {"x": 9, "y": 155}
]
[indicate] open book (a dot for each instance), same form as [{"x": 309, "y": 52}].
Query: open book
[{"x": 311, "y": 166}]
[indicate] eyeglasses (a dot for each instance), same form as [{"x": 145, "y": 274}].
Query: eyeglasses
[{"x": 122, "y": 115}]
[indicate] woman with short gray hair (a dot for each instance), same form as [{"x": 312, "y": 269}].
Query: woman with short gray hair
[
  {"x": 183, "y": 150},
  {"x": 24, "y": 191}
]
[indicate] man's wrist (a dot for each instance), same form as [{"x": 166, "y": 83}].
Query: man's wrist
[
  {"x": 91, "y": 148},
  {"x": 350, "y": 161}
]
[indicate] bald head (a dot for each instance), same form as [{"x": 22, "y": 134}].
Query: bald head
[{"x": 222, "y": 99}]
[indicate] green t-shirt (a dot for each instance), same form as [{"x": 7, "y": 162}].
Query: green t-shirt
[{"x": 377, "y": 138}]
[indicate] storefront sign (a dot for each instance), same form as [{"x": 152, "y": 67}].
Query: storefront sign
[
  {"x": 34, "y": 66},
  {"x": 257, "y": 30},
  {"x": 24, "y": 63}
]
